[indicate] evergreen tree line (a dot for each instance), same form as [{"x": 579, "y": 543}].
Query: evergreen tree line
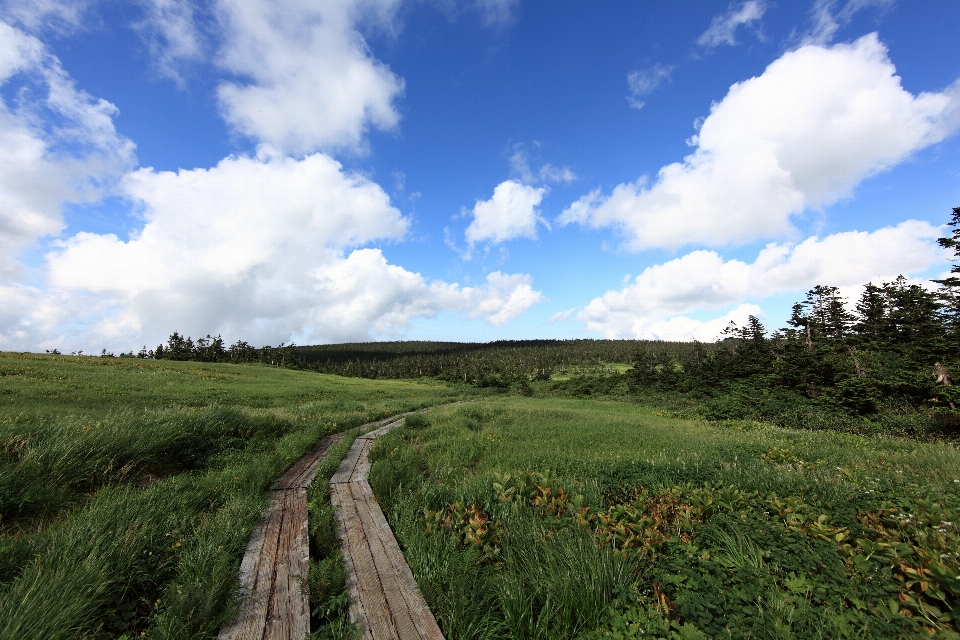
[
  {"x": 494, "y": 364},
  {"x": 898, "y": 350},
  {"x": 213, "y": 349}
]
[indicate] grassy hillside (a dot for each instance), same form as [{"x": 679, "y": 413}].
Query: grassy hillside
[
  {"x": 129, "y": 487},
  {"x": 534, "y": 518}
]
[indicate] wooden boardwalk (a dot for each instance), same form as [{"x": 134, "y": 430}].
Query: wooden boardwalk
[
  {"x": 273, "y": 574},
  {"x": 386, "y": 603}
]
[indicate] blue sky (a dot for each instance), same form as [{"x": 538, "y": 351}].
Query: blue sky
[{"x": 277, "y": 170}]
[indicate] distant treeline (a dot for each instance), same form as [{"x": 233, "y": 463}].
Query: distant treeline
[
  {"x": 484, "y": 364},
  {"x": 900, "y": 348},
  {"x": 898, "y": 352},
  {"x": 213, "y": 349}
]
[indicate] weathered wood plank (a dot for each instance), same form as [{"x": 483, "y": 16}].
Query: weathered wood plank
[
  {"x": 403, "y": 622},
  {"x": 347, "y": 466},
  {"x": 302, "y": 473},
  {"x": 273, "y": 597},
  {"x": 248, "y": 623},
  {"x": 251, "y": 620},
  {"x": 377, "y": 574},
  {"x": 274, "y": 604},
  {"x": 341, "y": 499},
  {"x": 402, "y": 576},
  {"x": 377, "y": 621},
  {"x": 288, "y": 609},
  {"x": 371, "y": 435},
  {"x": 361, "y": 470}
]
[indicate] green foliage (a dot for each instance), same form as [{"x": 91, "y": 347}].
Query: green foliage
[
  {"x": 497, "y": 365},
  {"x": 329, "y": 599},
  {"x": 861, "y": 372},
  {"x": 49, "y": 464},
  {"x": 395, "y": 467},
  {"x": 129, "y": 487},
  {"x": 562, "y": 518}
]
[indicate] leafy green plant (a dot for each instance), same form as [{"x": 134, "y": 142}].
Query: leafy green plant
[{"x": 717, "y": 530}]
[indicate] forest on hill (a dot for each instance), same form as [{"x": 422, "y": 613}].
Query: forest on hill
[
  {"x": 497, "y": 364},
  {"x": 889, "y": 359}
]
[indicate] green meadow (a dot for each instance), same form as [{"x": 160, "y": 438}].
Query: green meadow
[
  {"x": 558, "y": 518},
  {"x": 129, "y": 487}
]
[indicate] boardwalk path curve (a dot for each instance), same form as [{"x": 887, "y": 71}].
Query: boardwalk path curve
[{"x": 386, "y": 603}]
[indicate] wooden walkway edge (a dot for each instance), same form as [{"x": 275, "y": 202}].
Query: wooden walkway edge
[
  {"x": 274, "y": 603},
  {"x": 274, "y": 600},
  {"x": 385, "y": 601}
]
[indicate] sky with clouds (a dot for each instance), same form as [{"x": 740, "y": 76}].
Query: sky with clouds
[{"x": 472, "y": 170}]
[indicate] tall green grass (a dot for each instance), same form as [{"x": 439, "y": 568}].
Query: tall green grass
[
  {"x": 777, "y": 541},
  {"x": 128, "y": 489},
  {"x": 329, "y": 598}
]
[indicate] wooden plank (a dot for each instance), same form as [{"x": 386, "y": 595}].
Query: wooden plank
[
  {"x": 404, "y": 626},
  {"x": 361, "y": 470},
  {"x": 423, "y": 619},
  {"x": 291, "y": 478},
  {"x": 378, "y": 575},
  {"x": 341, "y": 500},
  {"x": 377, "y": 622},
  {"x": 347, "y": 466},
  {"x": 245, "y": 625},
  {"x": 288, "y": 609},
  {"x": 251, "y": 620},
  {"x": 302, "y": 473},
  {"x": 382, "y": 430},
  {"x": 274, "y": 603}
]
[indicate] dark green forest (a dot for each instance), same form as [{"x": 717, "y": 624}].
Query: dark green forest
[{"x": 886, "y": 363}]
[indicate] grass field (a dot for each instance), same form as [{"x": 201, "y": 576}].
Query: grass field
[
  {"x": 128, "y": 488},
  {"x": 534, "y": 518}
]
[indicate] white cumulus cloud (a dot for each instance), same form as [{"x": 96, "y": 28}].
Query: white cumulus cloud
[
  {"x": 306, "y": 78},
  {"x": 683, "y": 329},
  {"x": 817, "y": 122},
  {"x": 652, "y": 306},
  {"x": 264, "y": 249},
  {"x": 43, "y": 165},
  {"x": 261, "y": 248},
  {"x": 510, "y": 213},
  {"x": 503, "y": 298}
]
